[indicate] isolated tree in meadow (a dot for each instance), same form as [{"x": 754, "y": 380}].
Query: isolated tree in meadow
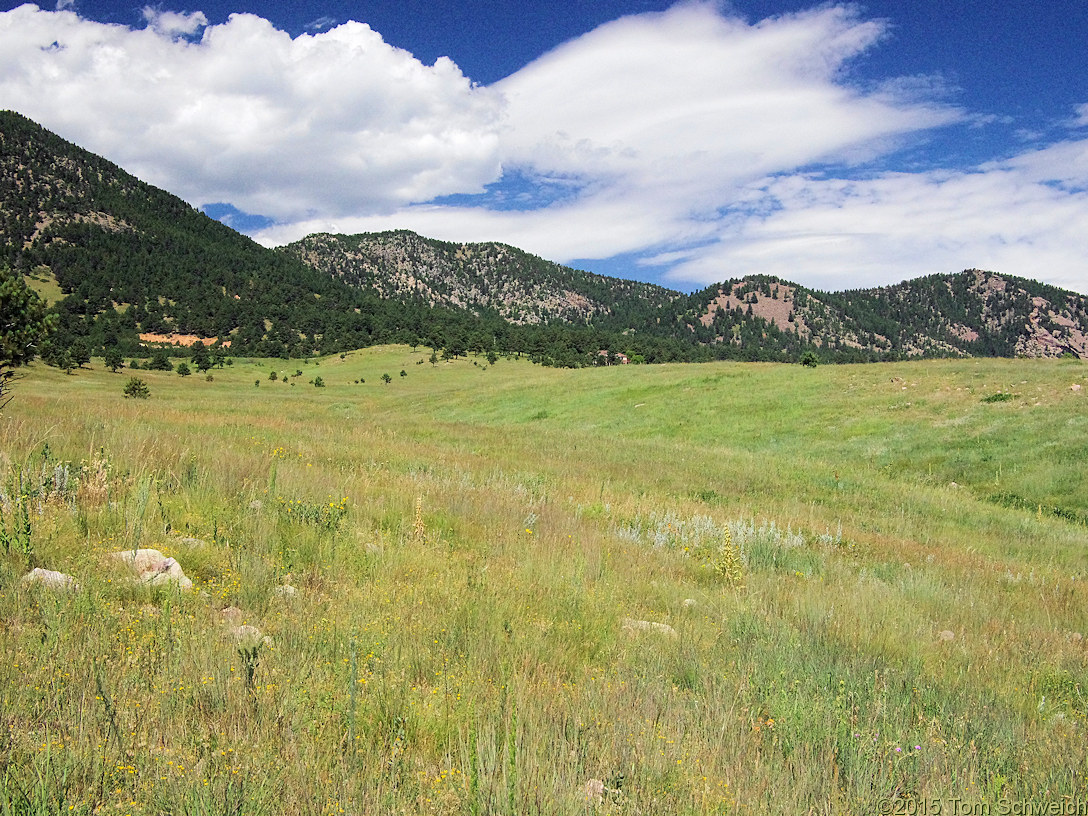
[
  {"x": 114, "y": 360},
  {"x": 160, "y": 361},
  {"x": 79, "y": 354},
  {"x": 202, "y": 361},
  {"x": 183, "y": 369},
  {"x": 57, "y": 356},
  {"x": 433, "y": 359},
  {"x": 23, "y": 325},
  {"x": 386, "y": 379}
]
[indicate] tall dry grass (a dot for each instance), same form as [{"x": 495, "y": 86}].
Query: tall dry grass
[{"x": 465, "y": 546}]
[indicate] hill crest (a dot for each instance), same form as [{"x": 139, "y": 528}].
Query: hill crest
[{"x": 517, "y": 286}]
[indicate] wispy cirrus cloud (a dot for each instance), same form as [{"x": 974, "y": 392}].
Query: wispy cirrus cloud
[
  {"x": 655, "y": 126},
  {"x": 709, "y": 148},
  {"x": 849, "y": 233},
  {"x": 1081, "y": 113},
  {"x": 321, "y": 24}
]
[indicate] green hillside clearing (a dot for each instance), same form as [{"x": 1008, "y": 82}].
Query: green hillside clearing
[{"x": 873, "y": 580}]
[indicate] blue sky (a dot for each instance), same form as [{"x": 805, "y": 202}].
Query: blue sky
[{"x": 835, "y": 145}]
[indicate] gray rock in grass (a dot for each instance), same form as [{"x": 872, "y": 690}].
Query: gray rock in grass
[
  {"x": 633, "y": 627},
  {"x": 50, "y": 579}
]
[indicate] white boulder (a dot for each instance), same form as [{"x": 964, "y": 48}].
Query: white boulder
[
  {"x": 50, "y": 579},
  {"x": 153, "y": 568},
  {"x": 634, "y": 627}
]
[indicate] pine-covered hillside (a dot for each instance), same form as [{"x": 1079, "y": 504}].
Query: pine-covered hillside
[
  {"x": 130, "y": 257},
  {"x": 977, "y": 313},
  {"x": 119, "y": 259},
  {"x": 971, "y": 313},
  {"x": 483, "y": 277}
]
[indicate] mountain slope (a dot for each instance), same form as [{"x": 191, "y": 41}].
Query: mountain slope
[
  {"x": 492, "y": 277},
  {"x": 970, "y": 313},
  {"x": 979, "y": 313},
  {"x": 119, "y": 258}
]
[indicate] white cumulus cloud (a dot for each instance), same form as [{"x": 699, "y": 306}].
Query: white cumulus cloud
[
  {"x": 174, "y": 24},
  {"x": 331, "y": 123}
]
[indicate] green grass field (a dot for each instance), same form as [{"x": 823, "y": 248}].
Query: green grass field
[{"x": 873, "y": 580}]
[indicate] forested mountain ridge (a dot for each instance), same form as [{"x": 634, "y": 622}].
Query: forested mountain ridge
[
  {"x": 973, "y": 313},
  {"x": 977, "y": 313},
  {"x": 519, "y": 287},
  {"x": 123, "y": 258},
  {"x": 128, "y": 257},
  {"x": 119, "y": 258}
]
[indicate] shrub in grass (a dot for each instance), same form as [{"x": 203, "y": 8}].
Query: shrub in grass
[
  {"x": 184, "y": 370},
  {"x": 136, "y": 389}
]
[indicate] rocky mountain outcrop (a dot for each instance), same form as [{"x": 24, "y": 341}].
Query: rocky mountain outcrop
[
  {"x": 519, "y": 287},
  {"x": 970, "y": 313}
]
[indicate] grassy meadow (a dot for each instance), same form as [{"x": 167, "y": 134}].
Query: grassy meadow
[{"x": 872, "y": 580}]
